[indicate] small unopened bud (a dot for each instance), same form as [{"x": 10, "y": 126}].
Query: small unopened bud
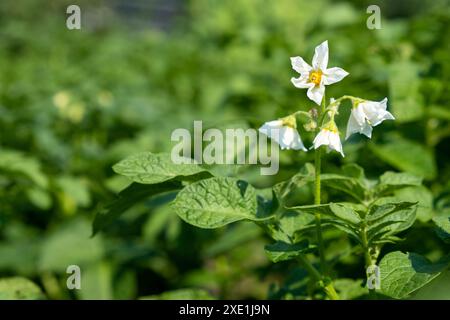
[
  {"x": 313, "y": 112},
  {"x": 310, "y": 126}
]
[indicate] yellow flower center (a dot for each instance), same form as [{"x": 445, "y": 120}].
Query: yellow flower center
[
  {"x": 315, "y": 77},
  {"x": 289, "y": 121},
  {"x": 331, "y": 126}
]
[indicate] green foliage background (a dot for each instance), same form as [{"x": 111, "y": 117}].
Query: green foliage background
[{"x": 75, "y": 102}]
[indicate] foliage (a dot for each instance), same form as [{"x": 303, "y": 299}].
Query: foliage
[{"x": 75, "y": 104}]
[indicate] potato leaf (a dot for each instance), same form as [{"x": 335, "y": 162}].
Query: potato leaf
[
  {"x": 150, "y": 168},
  {"x": 403, "y": 273}
]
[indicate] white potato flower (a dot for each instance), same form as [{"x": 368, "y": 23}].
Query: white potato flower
[
  {"x": 284, "y": 132},
  {"x": 365, "y": 115},
  {"x": 316, "y": 77},
  {"x": 329, "y": 136}
]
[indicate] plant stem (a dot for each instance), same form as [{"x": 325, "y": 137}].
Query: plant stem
[
  {"x": 317, "y": 216},
  {"x": 328, "y": 288},
  {"x": 310, "y": 268},
  {"x": 317, "y": 165},
  {"x": 368, "y": 258},
  {"x": 331, "y": 293}
]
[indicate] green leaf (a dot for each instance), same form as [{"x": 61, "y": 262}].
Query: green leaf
[
  {"x": 129, "y": 197},
  {"x": 403, "y": 273},
  {"x": 342, "y": 211},
  {"x": 345, "y": 213},
  {"x": 150, "y": 168},
  {"x": 406, "y": 101},
  {"x": 349, "y": 185},
  {"x": 70, "y": 244},
  {"x": 440, "y": 112},
  {"x": 406, "y": 155},
  {"x": 215, "y": 202},
  {"x": 420, "y": 194},
  {"x": 181, "y": 294},
  {"x": 349, "y": 289},
  {"x": 282, "y": 251},
  {"x": 18, "y": 164},
  {"x": 288, "y": 225},
  {"x": 97, "y": 281},
  {"x": 352, "y": 181},
  {"x": 17, "y": 288},
  {"x": 442, "y": 227},
  {"x": 394, "y": 180},
  {"x": 387, "y": 217},
  {"x": 341, "y": 215}
]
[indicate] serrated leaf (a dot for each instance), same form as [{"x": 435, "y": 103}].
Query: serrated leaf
[
  {"x": 403, "y": 273},
  {"x": 352, "y": 182},
  {"x": 388, "y": 218},
  {"x": 442, "y": 227},
  {"x": 345, "y": 213},
  {"x": 129, "y": 197},
  {"x": 17, "y": 288},
  {"x": 341, "y": 215},
  {"x": 215, "y": 202},
  {"x": 150, "y": 168},
  {"x": 288, "y": 224},
  {"x": 341, "y": 211},
  {"x": 282, "y": 251}
]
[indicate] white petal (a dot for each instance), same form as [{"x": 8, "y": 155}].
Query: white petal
[
  {"x": 376, "y": 111},
  {"x": 352, "y": 126},
  {"x": 316, "y": 93},
  {"x": 271, "y": 129},
  {"x": 359, "y": 114},
  {"x": 383, "y": 103},
  {"x": 334, "y": 75},
  {"x": 271, "y": 124},
  {"x": 302, "y": 82},
  {"x": 366, "y": 130},
  {"x": 286, "y": 138},
  {"x": 321, "y": 139},
  {"x": 299, "y": 65},
  {"x": 388, "y": 116},
  {"x": 320, "y": 59},
  {"x": 335, "y": 143},
  {"x": 372, "y": 110},
  {"x": 297, "y": 143}
]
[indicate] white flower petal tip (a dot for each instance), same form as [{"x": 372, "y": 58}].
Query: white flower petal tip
[
  {"x": 315, "y": 77},
  {"x": 329, "y": 138},
  {"x": 366, "y": 115},
  {"x": 285, "y": 136}
]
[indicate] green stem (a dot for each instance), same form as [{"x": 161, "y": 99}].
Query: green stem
[
  {"x": 310, "y": 268},
  {"x": 368, "y": 258},
  {"x": 328, "y": 288},
  {"x": 331, "y": 293},
  {"x": 317, "y": 165},
  {"x": 317, "y": 216}
]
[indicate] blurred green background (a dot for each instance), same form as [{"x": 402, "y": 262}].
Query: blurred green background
[{"x": 74, "y": 102}]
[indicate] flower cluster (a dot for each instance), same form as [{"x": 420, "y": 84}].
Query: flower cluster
[{"x": 364, "y": 115}]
